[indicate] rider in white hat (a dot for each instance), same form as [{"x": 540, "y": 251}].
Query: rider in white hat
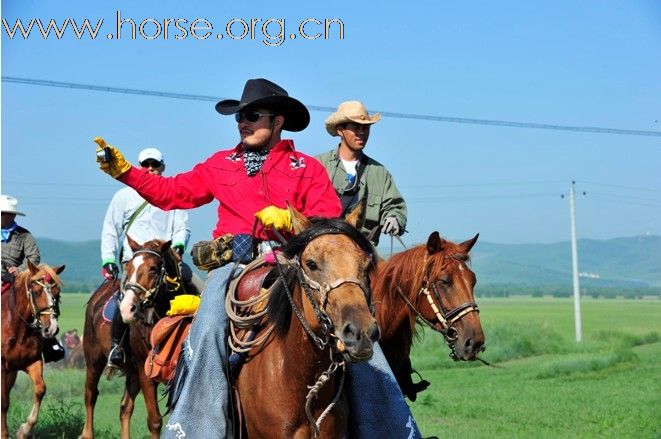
[
  {"x": 19, "y": 247},
  {"x": 129, "y": 214},
  {"x": 18, "y": 244}
]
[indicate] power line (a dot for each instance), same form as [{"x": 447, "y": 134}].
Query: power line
[
  {"x": 621, "y": 187},
  {"x": 461, "y": 120}
]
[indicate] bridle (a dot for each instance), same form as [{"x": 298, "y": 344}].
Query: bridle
[
  {"x": 317, "y": 293},
  {"x": 52, "y": 309},
  {"x": 443, "y": 318},
  {"x": 151, "y": 294}
]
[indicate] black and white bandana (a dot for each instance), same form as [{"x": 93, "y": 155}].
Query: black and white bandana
[{"x": 254, "y": 160}]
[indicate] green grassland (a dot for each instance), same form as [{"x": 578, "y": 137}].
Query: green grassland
[{"x": 544, "y": 384}]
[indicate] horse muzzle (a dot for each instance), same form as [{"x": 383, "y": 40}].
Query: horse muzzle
[
  {"x": 468, "y": 345},
  {"x": 356, "y": 345}
]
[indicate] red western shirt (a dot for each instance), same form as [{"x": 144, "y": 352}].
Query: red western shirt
[{"x": 286, "y": 176}]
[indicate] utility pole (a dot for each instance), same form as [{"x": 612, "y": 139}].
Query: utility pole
[{"x": 574, "y": 260}]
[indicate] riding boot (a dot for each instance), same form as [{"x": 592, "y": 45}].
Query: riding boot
[
  {"x": 117, "y": 357},
  {"x": 52, "y": 350}
]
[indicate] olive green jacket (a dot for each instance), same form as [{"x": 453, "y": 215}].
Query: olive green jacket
[
  {"x": 20, "y": 247},
  {"x": 377, "y": 187}
]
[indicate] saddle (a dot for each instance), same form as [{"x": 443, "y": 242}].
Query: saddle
[{"x": 166, "y": 340}]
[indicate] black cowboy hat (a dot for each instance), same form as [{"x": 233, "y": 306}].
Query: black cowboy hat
[{"x": 265, "y": 94}]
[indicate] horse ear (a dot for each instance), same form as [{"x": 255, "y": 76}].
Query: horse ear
[
  {"x": 59, "y": 269},
  {"x": 466, "y": 246},
  {"x": 434, "y": 243},
  {"x": 165, "y": 246},
  {"x": 134, "y": 245},
  {"x": 298, "y": 221},
  {"x": 33, "y": 268},
  {"x": 356, "y": 218}
]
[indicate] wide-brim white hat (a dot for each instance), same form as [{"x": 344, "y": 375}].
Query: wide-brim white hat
[
  {"x": 350, "y": 111},
  {"x": 9, "y": 205}
]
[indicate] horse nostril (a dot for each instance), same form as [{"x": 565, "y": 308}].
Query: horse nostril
[
  {"x": 349, "y": 332},
  {"x": 132, "y": 308},
  {"x": 374, "y": 332},
  {"x": 468, "y": 345}
]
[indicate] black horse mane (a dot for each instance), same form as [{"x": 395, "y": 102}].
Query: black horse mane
[{"x": 279, "y": 308}]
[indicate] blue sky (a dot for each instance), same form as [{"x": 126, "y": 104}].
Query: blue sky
[{"x": 589, "y": 63}]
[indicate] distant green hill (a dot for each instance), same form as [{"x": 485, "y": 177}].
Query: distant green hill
[{"x": 620, "y": 262}]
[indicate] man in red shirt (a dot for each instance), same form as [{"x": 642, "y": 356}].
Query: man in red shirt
[
  {"x": 256, "y": 178},
  {"x": 263, "y": 170}
]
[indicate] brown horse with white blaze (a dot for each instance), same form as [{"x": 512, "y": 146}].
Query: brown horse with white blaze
[
  {"x": 432, "y": 284},
  {"x": 149, "y": 285},
  {"x": 29, "y": 315},
  {"x": 290, "y": 386}
]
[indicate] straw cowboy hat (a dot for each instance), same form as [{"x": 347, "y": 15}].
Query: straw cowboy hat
[
  {"x": 264, "y": 93},
  {"x": 350, "y": 111},
  {"x": 9, "y": 205}
]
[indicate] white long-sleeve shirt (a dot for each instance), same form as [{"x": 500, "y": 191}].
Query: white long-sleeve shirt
[{"x": 151, "y": 223}]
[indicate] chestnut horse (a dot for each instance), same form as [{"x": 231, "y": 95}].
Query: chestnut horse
[
  {"x": 151, "y": 280},
  {"x": 290, "y": 385},
  {"x": 29, "y": 315},
  {"x": 432, "y": 284}
]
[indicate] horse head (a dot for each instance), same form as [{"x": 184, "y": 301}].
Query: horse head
[
  {"x": 43, "y": 287},
  {"x": 445, "y": 299},
  {"x": 332, "y": 261},
  {"x": 151, "y": 271}
]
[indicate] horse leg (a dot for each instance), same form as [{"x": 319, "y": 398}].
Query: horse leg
[
  {"x": 154, "y": 419},
  {"x": 92, "y": 377},
  {"x": 34, "y": 371},
  {"x": 127, "y": 405},
  {"x": 8, "y": 380}
]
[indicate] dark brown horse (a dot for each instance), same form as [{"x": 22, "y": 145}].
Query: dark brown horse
[
  {"x": 431, "y": 284},
  {"x": 29, "y": 315},
  {"x": 150, "y": 282},
  {"x": 321, "y": 320}
]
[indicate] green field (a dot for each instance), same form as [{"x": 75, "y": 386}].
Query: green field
[{"x": 544, "y": 385}]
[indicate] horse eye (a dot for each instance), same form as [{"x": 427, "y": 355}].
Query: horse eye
[
  {"x": 311, "y": 265},
  {"x": 444, "y": 282}
]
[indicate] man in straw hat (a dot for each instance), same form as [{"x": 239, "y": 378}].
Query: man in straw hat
[
  {"x": 357, "y": 176},
  {"x": 256, "y": 178},
  {"x": 129, "y": 214},
  {"x": 19, "y": 247}
]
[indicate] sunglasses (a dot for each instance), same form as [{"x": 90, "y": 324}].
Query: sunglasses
[
  {"x": 150, "y": 163},
  {"x": 250, "y": 116}
]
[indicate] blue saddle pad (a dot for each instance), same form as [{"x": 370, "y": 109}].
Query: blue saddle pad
[{"x": 110, "y": 307}]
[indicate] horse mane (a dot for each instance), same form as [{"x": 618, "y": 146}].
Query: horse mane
[
  {"x": 43, "y": 269},
  {"x": 279, "y": 308}
]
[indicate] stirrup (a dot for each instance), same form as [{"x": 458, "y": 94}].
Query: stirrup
[{"x": 113, "y": 368}]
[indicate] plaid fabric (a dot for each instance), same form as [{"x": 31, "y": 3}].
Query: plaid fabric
[{"x": 242, "y": 248}]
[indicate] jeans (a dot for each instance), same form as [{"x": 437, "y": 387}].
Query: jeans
[{"x": 202, "y": 408}]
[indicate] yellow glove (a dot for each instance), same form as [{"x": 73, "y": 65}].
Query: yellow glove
[
  {"x": 275, "y": 217},
  {"x": 117, "y": 165},
  {"x": 184, "y": 304}
]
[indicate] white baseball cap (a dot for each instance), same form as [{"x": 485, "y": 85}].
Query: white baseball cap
[
  {"x": 9, "y": 205},
  {"x": 150, "y": 153}
]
